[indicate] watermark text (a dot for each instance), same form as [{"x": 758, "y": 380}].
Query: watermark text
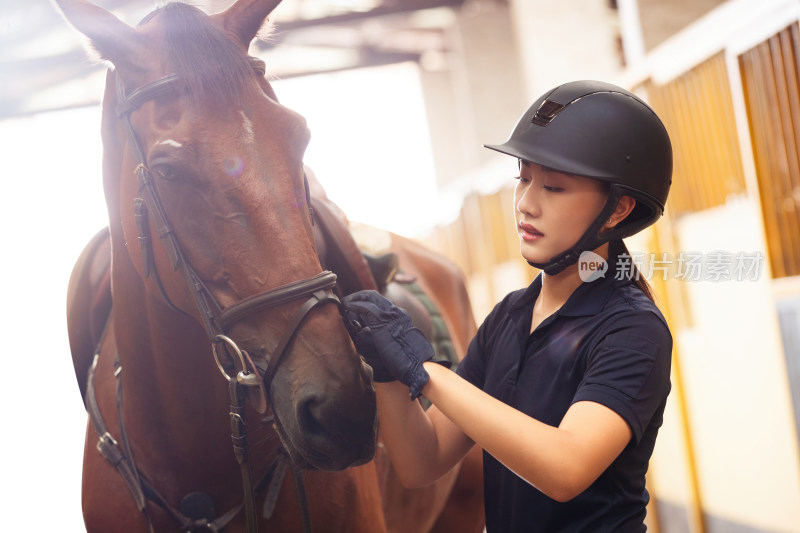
[{"x": 715, "y": 266}]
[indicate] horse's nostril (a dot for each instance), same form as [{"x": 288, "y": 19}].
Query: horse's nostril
[
  {"x": 309, "y": 415},
  {"x": 336, "y": 427},
  {"x": 333, "y": 422}
]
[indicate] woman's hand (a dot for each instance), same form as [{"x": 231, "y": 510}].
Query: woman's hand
[{"x": 384, "y": 335}]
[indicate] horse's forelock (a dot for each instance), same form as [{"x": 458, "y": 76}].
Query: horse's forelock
[{"x": 210, "y": 66}]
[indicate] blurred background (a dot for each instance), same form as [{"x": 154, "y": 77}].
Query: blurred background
[{"x": 400, "y": 95}]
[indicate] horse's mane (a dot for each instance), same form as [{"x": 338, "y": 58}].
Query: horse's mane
[{"x": 209, "y": 65}]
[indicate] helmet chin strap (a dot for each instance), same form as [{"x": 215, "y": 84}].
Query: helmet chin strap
[{"x": 590, "y": 240}]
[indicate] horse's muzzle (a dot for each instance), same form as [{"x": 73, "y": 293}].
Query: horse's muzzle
[{"x": 330, "y": 425}]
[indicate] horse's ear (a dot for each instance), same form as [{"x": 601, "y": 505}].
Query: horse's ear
[
  {"x": 245, "y": 17},
  {"x": 113, "y": 40}
]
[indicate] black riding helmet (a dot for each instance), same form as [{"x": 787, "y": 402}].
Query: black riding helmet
[{"x": 601, "y": 131}]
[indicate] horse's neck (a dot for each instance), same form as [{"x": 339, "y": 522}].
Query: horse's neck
[
  {"x": 168, "y": 375},
  {"x": 175, "y": 402},
  {"x": 338, "y": 250}
]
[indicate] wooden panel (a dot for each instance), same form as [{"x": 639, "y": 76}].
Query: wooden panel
[
  {"x": 476, "y": 235},
  {"x": 483, "y": 234},
  {"x": 458, "y": 244},
  {"x": 493, "y": 213},
  {"x": 698, "y": 113},
  {"x": 772, "y": 94},
  {"x": 506, "y": 198}
]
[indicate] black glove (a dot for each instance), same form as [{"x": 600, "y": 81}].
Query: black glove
[
  {"x": 362, "y": 338},
  {"x": 385, "y": 337}
]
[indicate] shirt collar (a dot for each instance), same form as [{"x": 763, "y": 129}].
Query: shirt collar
[{"x": 588, "y": 299}]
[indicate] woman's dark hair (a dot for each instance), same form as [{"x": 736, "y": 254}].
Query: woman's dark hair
[{"x": 617, "y": 251}]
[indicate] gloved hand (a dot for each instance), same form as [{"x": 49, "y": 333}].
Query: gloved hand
[{"x": 385, "y": 337}]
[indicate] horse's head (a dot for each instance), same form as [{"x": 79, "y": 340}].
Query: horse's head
[{"x": 202, "y": 160}]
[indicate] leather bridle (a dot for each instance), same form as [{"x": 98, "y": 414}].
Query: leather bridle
[{"x": 216, "y": 320}]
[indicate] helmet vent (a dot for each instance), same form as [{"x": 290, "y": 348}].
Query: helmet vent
[{"x": 547, "y": 112}]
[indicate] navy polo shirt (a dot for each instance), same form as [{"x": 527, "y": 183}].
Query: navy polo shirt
[{"x": 607, "y": 344}]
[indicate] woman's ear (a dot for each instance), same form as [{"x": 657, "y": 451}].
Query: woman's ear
[{"x": 625, "y": 205}]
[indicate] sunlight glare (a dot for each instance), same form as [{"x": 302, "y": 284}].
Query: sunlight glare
[{"x": 370, "y": 146}]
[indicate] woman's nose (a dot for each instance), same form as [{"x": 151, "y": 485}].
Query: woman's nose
[{"x": 528, "y": 202}]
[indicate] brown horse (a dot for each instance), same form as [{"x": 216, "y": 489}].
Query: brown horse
[{"x": 222, "y": 312}]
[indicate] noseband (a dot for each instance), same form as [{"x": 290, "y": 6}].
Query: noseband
[{"x": 217, "y": 320}]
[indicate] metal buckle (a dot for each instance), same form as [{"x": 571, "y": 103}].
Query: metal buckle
[
  {"x": 244, "y": 377},
  {"x": 106, "y": 438}
]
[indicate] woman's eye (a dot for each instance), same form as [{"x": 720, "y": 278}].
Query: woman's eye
[{"x": 553, "y": 189}]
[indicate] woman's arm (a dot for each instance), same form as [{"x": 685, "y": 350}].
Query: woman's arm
[
  {"x": 561, "y": 462},
  {"x": 423, "y": 445}
]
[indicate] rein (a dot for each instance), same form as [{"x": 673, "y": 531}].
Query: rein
[
  {"x": 216, "y": 320},
  {"x": 120, "y": 456}
]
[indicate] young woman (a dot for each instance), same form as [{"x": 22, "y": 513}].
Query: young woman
[{"x": 565, "y": 383}]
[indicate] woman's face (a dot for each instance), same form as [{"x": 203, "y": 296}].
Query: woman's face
[{"x": 552, "y": 210}]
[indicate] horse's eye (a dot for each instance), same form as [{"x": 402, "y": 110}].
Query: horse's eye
[{"x": 169, "y": 173}]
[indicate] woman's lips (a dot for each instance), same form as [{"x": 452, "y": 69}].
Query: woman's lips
[{"x": 529, "y": 233}]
